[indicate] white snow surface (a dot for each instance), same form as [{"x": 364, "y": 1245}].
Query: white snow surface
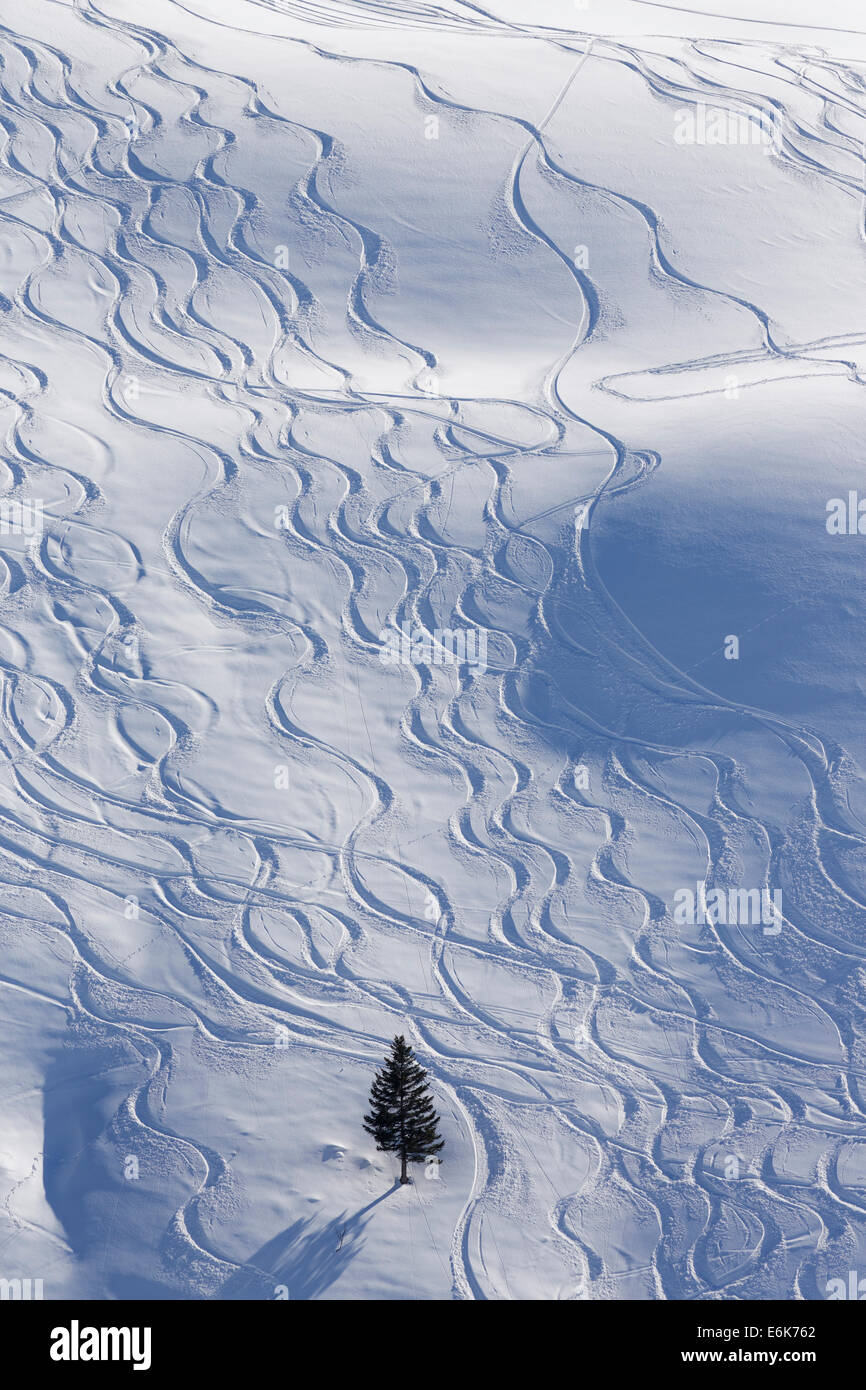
[{"x": 322, "y": 318}]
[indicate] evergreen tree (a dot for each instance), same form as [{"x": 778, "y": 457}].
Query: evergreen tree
[{"x": 402, "y": 1119}]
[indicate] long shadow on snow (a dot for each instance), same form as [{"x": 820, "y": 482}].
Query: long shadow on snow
[{"x": 302, "y": 1259}]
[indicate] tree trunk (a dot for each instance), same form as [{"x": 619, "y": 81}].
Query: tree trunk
[{"x": 403, "y": 1177}]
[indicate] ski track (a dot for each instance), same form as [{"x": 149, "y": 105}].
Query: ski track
[{"x": 367, "y": 524}]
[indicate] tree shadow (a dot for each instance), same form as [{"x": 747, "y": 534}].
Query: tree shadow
[
  {"x": 303, "y": 1260},
  {"x": 84, "y": 1086}
]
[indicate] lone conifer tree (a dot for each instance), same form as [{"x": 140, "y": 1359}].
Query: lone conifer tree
[{"x": 402, "y": 1119}]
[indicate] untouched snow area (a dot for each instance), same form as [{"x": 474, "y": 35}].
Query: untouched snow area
[{"x": 432, "y": 603}]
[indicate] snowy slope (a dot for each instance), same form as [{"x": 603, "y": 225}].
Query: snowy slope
[{"x": 329, "y": 325}]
